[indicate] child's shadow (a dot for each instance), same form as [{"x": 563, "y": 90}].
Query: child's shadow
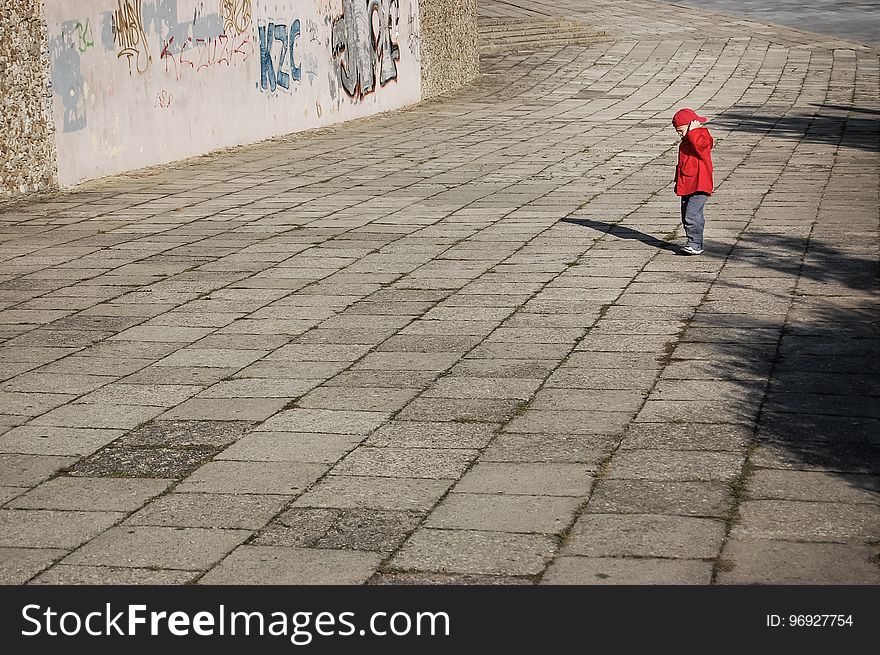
[{"x": 622, "y": 232}]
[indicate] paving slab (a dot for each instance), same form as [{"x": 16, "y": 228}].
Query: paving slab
[
  {"x": 202, "y": 510},
  {"x": 29, "y": 470},
  {"x": 293, "y": 566},
  {"x": 375, "y": 399},
  {"x": 376, "y": 530},
  {"x": 18, "y": 565},
  {"x": 291, "y": 447},
  {"x": 284, "y": 478},
  {"x": 65, "y": 574},
  {"x": 374, "y": 492},
  {"x": 185, "y": 433},
  {"x": 158, "y": 547},
  {"x": 693, "y": 498},
  {"x": 91, "y": 494},
  {"x": 8, "y": 493},
  {"x": 568, "y": 570},
  {"x": 645, "y": 535},
  {"x": 419, "y": 578},
  {"x": 808, "y": 521},
  {"x": 226, "y": 409},
  {"x": 813, "y": 486},
  {"x": 109, "y": 415},
  {"x": 675, "y": 465},
  {"x": 431, "y": 463},
  {"x": 466, "y": 410},
  {"x": 324, "y": 421},
  {"x": 504, "y": 513},
  {"x": 748, "y": 561},
  {"x": 137, "y": 462},
  {"x": 683, "y": 436},
  {"x": 829, "y": 456},
  {"x": 474, "y": 552},
  {"x": 530, "y": 479},
  {"x": 588, "y": 449},
  {"x": 50, "y": 440},
  {"x": 426, "y": 434},
  {"x": 37, "y": 528}
]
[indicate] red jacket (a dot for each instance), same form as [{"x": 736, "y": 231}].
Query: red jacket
[{"x": 694, "y": 170}]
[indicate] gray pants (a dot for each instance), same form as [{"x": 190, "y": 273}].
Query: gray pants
[{"x": 692, "y": 218}]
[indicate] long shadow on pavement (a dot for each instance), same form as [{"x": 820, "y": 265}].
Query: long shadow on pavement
[
  {"x": 861, "y": 132},
  {"x": 776, "y": 252},
  {"x": 620, "y": 231}
]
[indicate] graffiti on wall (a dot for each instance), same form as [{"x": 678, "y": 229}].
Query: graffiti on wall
[
  {"x": 84, "y": 38},
  {"x": 277, "y": 64},
  {"x": 65, "y": 53},
  {"x": 129, "y": 35},
  {"x": 199, "y": 54},
  {"x": 209, "y": 74},
  {"x": 387, "y": 50},
  {"x": 164, "y": 99},
  {"x": 360, "y": 43},
  {"x": 236, "y": 16},
  {"x": 414, "y": 41}
]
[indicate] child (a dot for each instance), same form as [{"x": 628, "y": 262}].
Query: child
[{"x": 693, "y": 175}]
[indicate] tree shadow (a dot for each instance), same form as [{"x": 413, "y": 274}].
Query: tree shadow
[
  {"x": 824, "y": 263},
  {"x": 858, "y": 110},
  {"x": 859, "y": 132},
  {"x": 821, "y": 409}
]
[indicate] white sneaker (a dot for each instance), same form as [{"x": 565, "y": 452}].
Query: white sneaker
[{"x": 690, "y": 250}]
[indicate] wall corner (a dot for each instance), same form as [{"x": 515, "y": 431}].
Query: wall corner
[
  {"x": 27, "y": 133},
  {"x": 450, "y": 54}
]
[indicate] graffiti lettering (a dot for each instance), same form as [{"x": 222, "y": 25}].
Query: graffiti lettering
[
  {"x": 85, "y": 40},
  {"x": 360, "y": 43},
  {"x": 211, "y": 53},
  {"x": 350, "y": 41},
  {"x": 223, "y": 40},
  {"x": 387, "y": 50},
  {"x": 273, "y": 75},
  {"x": 183, "y": 54},
  {"x": 128, "y": 34},
  {"x": 414, "y": 40},
  {"x": 236, "y": 15},
  {"x": 164, "y": 99}
]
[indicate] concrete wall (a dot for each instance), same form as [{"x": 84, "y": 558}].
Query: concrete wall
[
  {"x": 449, "y": 47},
  {"x": 97, "y": 87},
  {"x": 141, "y": 82},
  {"x": 27, "y": 149}
]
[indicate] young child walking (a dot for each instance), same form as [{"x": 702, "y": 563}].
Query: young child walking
[{"x": 693, "y": 175}]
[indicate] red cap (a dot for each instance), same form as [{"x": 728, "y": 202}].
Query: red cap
[{"x": 685, "y": 116}]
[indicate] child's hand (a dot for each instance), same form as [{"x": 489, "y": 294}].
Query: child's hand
[{"x": 684, "y": 129}]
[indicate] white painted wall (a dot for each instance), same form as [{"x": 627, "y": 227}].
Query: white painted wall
[{"x": 143, "y": 82}]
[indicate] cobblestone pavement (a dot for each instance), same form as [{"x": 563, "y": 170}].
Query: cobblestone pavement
[{"x": 455, "y": 344}]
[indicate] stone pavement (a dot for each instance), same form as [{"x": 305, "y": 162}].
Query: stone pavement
[
  {"x": 856, "y": 20},
  {"x": 454, "y": 344}
]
